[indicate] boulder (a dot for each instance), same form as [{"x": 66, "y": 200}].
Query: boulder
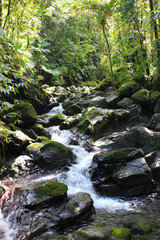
[
  {"x": 24, "y": 114},
  {"x": 128, "y": 89},
  {"x": 44, "y": 195},
  {"x": 78, "y": 209},
  {"x": 40, "y": 130},
  {"x": 70, "y": 122},
  {"x": 51, "y": 155},
  {"x": 72, "y": 110},
  {"x": 98, "y": 122},
  {"x": 133, "y": 180},
  {"x": 57, "y": 119},
  {"x": 141, "y": 97},
  {"x": 98, "y": 101}
]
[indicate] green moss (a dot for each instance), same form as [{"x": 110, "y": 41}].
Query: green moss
[
  {"x": 59, "y": 115},
  {"x": 56, "y": 146},
  {"x": 128, "y": 89},
  {"x": 144, "y": 225},
  {"x": 120, "y": 233},
  {"x": 83, "y": 125},
  {"x": 35, "y": 146},
  {"x": 154, "y": 96},
  {"x": 41, "y": 139},
  {"x": 71, "y": 208},
  {"x": 40, "y": 130},
  {"x": 141, "y": 96},
  {"x": 52, "y": 189}
]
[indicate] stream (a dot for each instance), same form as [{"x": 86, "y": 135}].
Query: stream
[{"x": 77, "y": 178}]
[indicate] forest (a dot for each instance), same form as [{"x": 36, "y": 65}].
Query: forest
[
  {"x": 79, "y": 119},
  {"x": 85, "y": 42}
]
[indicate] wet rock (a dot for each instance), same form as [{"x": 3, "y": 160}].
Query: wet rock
[
  {"x": 51, "y": 155},
  {"x": 72, "y": 110},
  {"x": 137, "y": 224},
  {"x": 44, "y": 195},
  {"x": 125, "y": 103},
  {"x": 21, "y": 164},
  {"x": 57, "y": 119},
  {"x": 78, "y": 210},
  {"x": 133, "y": 181}
]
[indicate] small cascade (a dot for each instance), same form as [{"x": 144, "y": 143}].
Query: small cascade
[{"x": 6, "y": 232}]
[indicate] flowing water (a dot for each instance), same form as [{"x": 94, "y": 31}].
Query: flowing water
[{"x": 77, "y": 178}]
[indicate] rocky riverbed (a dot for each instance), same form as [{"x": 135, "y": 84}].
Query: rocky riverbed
[{"x": 87, "y": 169}]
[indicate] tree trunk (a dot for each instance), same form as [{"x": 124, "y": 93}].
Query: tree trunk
[
  {"x": 155, "y": 29},
  {"x": 1, "y": 13},
  {"x": 109, "y": 52},
  {"x": 8, "y": 13}
]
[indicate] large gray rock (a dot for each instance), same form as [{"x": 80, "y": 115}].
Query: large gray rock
[
  {"x": 155, "y": 167},
  {"x": 133, "y": 180}
]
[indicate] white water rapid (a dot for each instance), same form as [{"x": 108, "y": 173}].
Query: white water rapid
[
  {"x": 78, "y": 177},
  {"x": 6, "y": 232}
]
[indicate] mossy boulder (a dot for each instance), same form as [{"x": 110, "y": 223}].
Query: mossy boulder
[
  {"x": 23, "y": 111},
  {"x": 35, "y": 95},
  {"x": 70, "y": 122},
  {"x": 141, "y": 97},
  {"x": 40, "y": 130},
  {"x": 57, "y": 119},
  {"x": 51, "y": 155},
  {"x": 154, "y": 97},
  {"x": 45, "y": 195},
  {"x": 72, "y": 110},
  {"x": 128, "y": 89},
  {"x": 110, "y": 157}
]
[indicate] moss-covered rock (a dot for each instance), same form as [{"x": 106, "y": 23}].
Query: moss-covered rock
[
  {"x": 47, "y": 194},
  {"x": 128, "y": 89},
  {"x": 154, "y": 97},
  {"x": 40, "y": 130},
  {"x": 57, "y": 119},
  {"x": 35, "y": 95},
  {"x": 24, "y": 112},
  {"x": 41, "y": 139},
  {"x": 71, "y": 122},
  {"x": 51, "y": 155},
  {"x": 72, "y": 110},
  {"x": 141, "y": 97}
]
